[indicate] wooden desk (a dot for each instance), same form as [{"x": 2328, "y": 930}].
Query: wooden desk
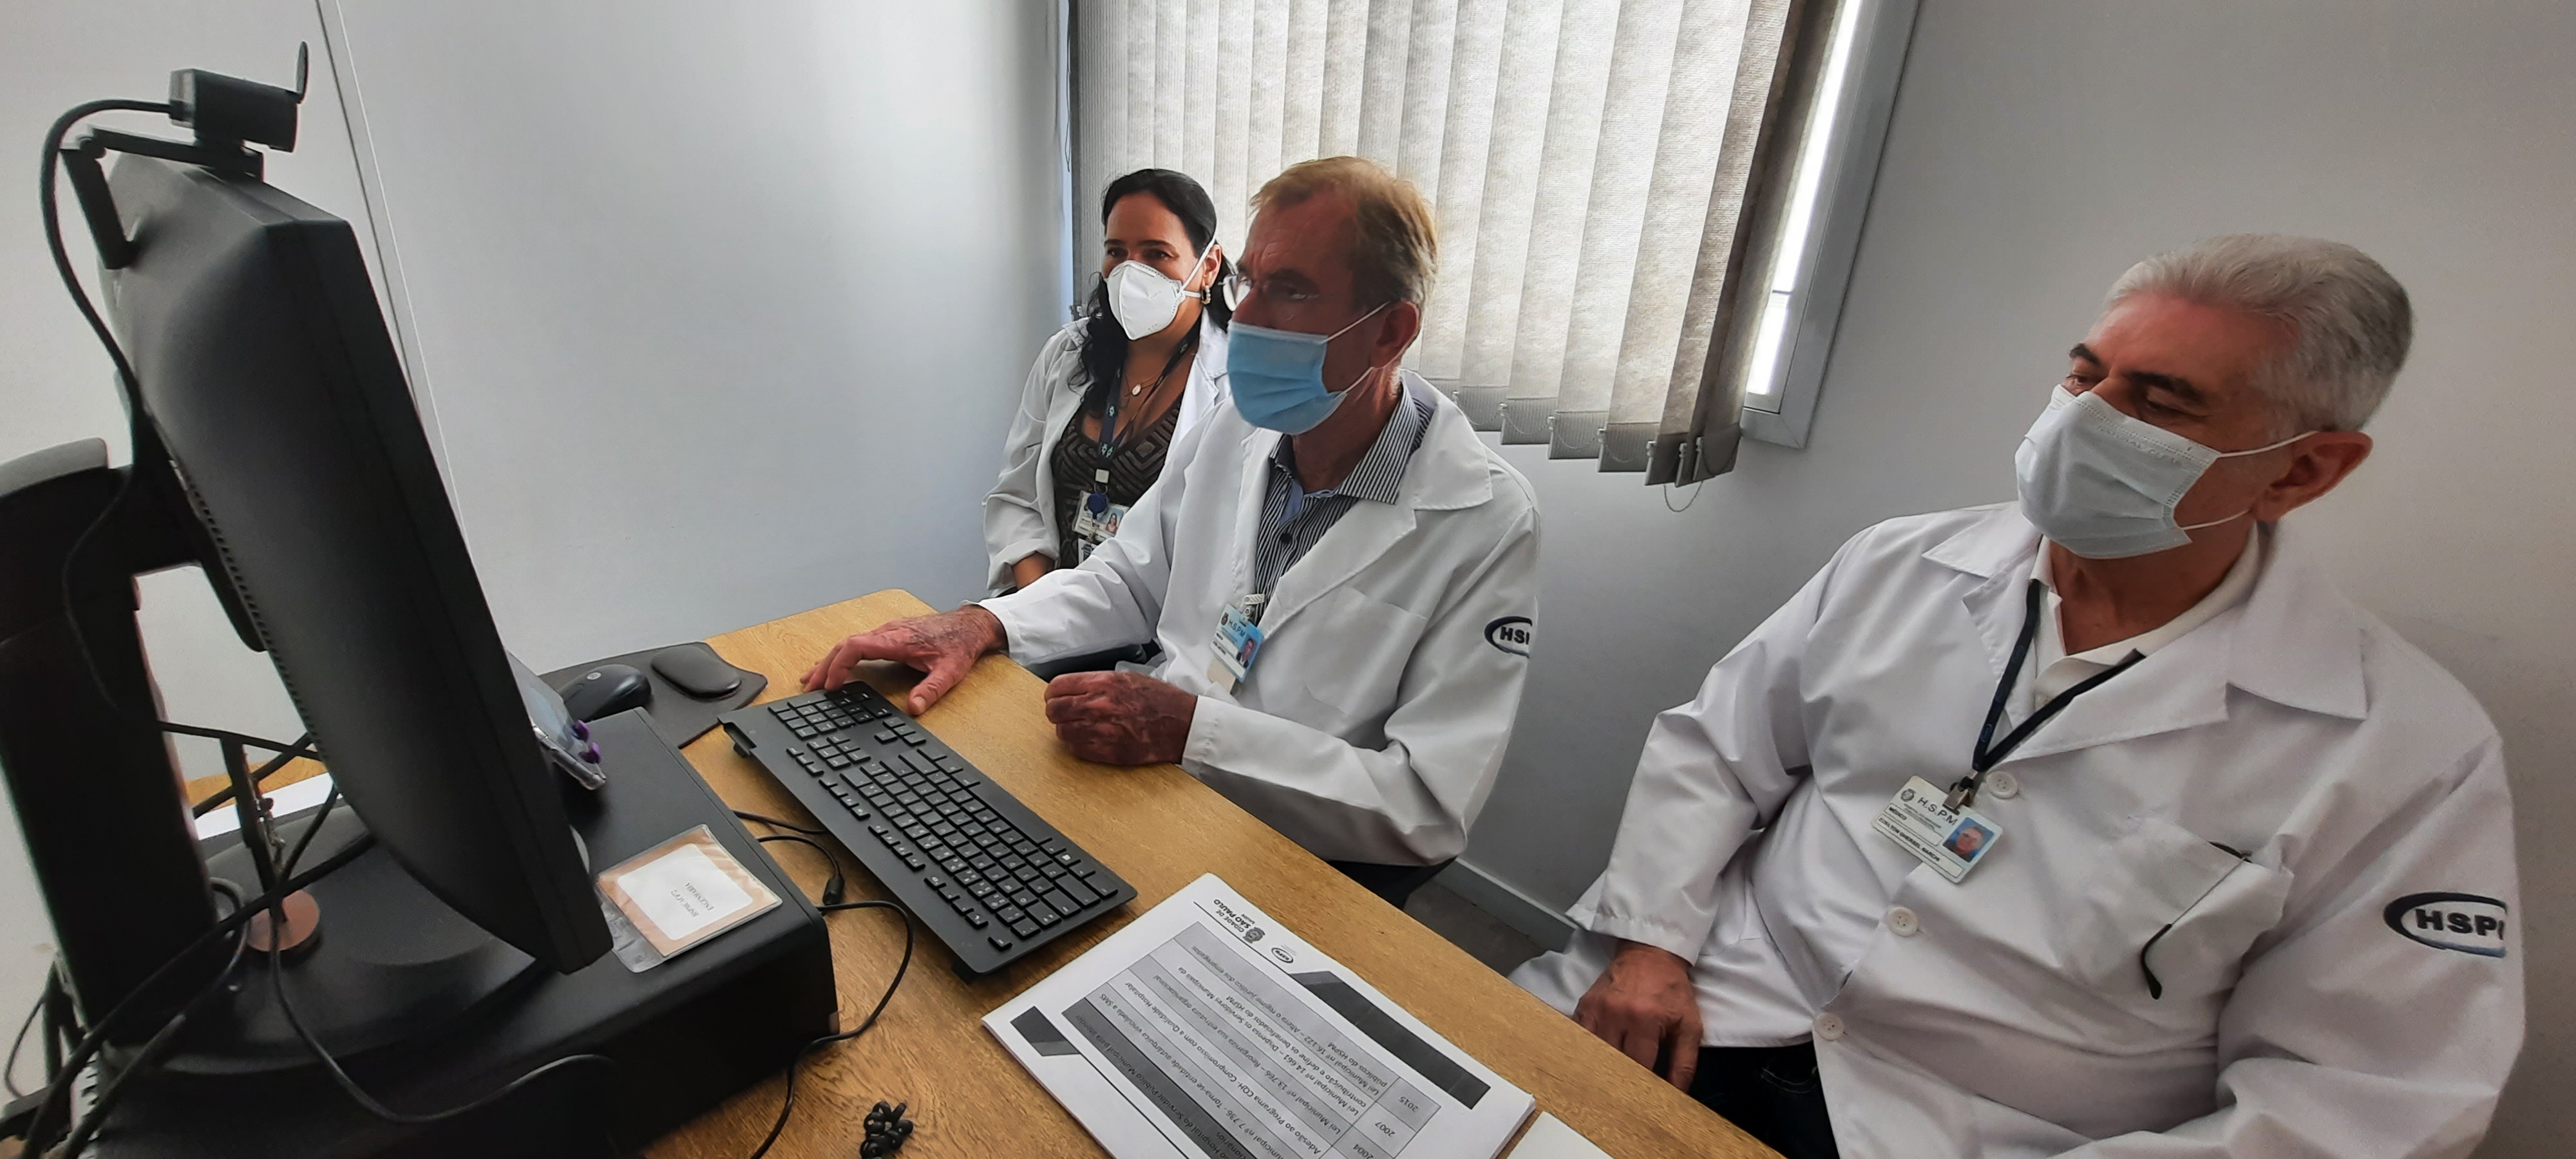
[{"x": 1159, "y": 828}]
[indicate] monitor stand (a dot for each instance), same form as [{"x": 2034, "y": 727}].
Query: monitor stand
[
  {"x": 386, "y": 962},
  {"x": 684, "y": 1035}
]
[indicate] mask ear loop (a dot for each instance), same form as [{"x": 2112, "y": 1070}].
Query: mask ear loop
[
  {"x": 1207, "y": 293},
  {"x": 1356, "y": 321},
  {"x": 2267, "y": 446},
  {"x": 1372, "y": 369},
  {"x": 2239, "y": 455}
]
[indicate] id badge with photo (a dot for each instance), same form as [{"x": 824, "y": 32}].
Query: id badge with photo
[
  {"x": 1952, "y": 842},
  {"x": 1095, "y": 521},
  {"x": 1237, "y": 643}
]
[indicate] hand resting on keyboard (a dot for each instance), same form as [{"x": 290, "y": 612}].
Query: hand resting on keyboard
[{"x": 943, "y": 648}]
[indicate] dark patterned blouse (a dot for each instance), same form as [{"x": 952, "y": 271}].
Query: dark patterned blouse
[{"x": 1139, "y": 462}]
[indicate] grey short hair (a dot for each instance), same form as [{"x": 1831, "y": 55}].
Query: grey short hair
[{"x": 2349, "y": 320}]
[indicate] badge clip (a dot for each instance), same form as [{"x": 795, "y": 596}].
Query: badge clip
[
  {"x": 1952, "y": 841},
  {"x": 1238, "y": 642}
]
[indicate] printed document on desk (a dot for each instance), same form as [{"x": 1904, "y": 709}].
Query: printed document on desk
[{"x": 1205, "y": 1030}]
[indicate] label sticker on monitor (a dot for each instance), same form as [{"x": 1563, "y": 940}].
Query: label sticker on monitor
[{"x": 676, "y": 895}]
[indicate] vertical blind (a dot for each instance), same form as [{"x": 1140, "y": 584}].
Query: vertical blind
[{"x": 1601, "y": 171}]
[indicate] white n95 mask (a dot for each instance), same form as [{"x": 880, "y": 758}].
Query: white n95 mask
[
  {"x": 1145, "y": 299},
  {"x": 2104, "y": 485}
]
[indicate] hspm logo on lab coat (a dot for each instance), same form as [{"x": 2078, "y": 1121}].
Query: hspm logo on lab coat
[
  {"x": 1510, "y": 634},
  {"x": 2451, "y": 921}
]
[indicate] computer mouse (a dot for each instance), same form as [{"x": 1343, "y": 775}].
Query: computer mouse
[
  {"x": 697, "y": 670},
  {"x": 605, "y": 691}
]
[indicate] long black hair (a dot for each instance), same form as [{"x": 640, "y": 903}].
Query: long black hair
[{"x": 1104, "y": 342}]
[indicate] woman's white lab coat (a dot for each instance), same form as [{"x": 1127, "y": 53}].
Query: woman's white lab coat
[
  {"x": 1376, "y": 714},
  {"x": 1019, "y": 513},
  {"x": 2272, "y": 814}
]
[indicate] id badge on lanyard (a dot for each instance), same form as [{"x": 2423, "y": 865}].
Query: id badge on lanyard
[
  {"x": 1237, "y": 643},
  {"x": 1951, "y": 841},
  {"x": 1096, "y": 519},
  {"x": 1942, "y": 828}
]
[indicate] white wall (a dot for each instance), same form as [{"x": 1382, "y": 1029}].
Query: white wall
[
  {"x": 722, "y": 307},
  {"x": 2036, "y": 150}
]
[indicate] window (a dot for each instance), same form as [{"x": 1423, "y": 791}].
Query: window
[
  {"x": 1828, "y": 197},
  {"x": 1604, "y": 171}
]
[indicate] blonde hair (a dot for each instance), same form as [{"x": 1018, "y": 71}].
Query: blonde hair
[{"x": 1395, "y": 249}]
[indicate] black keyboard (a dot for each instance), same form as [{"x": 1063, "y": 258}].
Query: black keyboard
[{"x": 983, "y": 872}]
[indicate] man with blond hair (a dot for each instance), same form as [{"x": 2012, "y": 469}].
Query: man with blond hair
[{"x": 1340, "y": 574}]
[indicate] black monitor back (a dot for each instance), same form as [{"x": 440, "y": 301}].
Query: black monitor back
[{"x": 266, "y": 369}]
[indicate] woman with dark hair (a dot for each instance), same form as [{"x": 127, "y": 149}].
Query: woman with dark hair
[{"x": 1111, "y": 392}]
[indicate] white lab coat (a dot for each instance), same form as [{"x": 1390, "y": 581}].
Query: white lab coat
[
  {"x": 1019, "y": 513},
  {"x": 2009, "y": 1015},
  {"x": 1376, "y": 714}
]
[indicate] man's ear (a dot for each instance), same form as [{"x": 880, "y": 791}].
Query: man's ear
[
  {"x": 1403, "y": 325},
  {"x": 2321, "y": 464}
]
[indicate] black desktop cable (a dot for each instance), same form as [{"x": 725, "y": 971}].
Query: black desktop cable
[
  {"x": 831, "y": 890},
  {"x": 831, "y": 903},
  {"x": 367, "y": 1102},
  {"x": 9, "y": 1070},
  {"x": 138, "y": 437},
  {"x": 330, "y": 1065},
  {"x": 223, "y": 795},
  {"x": 51, "y": 1007},
  {"x": 774, "y": 822},
  {"x": 287, "y": 867},
  {"x": 787, "y": 1104},
  {"x": 46, "y": 204},
  {"x": 154, "y": 1047},
  {"x": 57, "y": 1094}
]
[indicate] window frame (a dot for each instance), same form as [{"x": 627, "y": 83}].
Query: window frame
[{"x": 1856, "y": 137}]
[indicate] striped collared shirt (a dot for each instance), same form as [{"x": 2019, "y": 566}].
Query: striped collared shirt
[{"x": 1293, "y": 519}]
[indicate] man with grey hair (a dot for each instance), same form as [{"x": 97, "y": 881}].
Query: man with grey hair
[
  {"x": 2243, "y": 881},
  {"x": 1340, "y": 575}
]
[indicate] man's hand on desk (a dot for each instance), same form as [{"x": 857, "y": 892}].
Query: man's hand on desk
[
  {"x": 1120, "y": 718},
  {"x": 943, "y": 647},
  {"x": 1644, "y": 1005}
]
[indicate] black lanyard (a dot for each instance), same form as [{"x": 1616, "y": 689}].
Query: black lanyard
[
  {"x": 1109, "y": 440},
  {"x": 1988, "y": 754}
]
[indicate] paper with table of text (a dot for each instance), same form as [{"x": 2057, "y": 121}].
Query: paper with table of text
[{"x": 1205, "y": 1030}]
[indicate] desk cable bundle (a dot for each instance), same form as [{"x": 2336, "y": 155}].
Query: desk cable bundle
[{"x": 34, "y": 1114}]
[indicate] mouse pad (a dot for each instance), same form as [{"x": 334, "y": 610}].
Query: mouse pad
[{"x": 675, "y": 714}]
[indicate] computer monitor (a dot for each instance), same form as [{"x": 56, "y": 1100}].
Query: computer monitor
[{"x": 266, "y": 370}]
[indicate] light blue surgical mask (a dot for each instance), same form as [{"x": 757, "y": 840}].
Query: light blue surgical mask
[
  {"x": 2104, "y": 485},
  {"x": 1277, "y": 376}
]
